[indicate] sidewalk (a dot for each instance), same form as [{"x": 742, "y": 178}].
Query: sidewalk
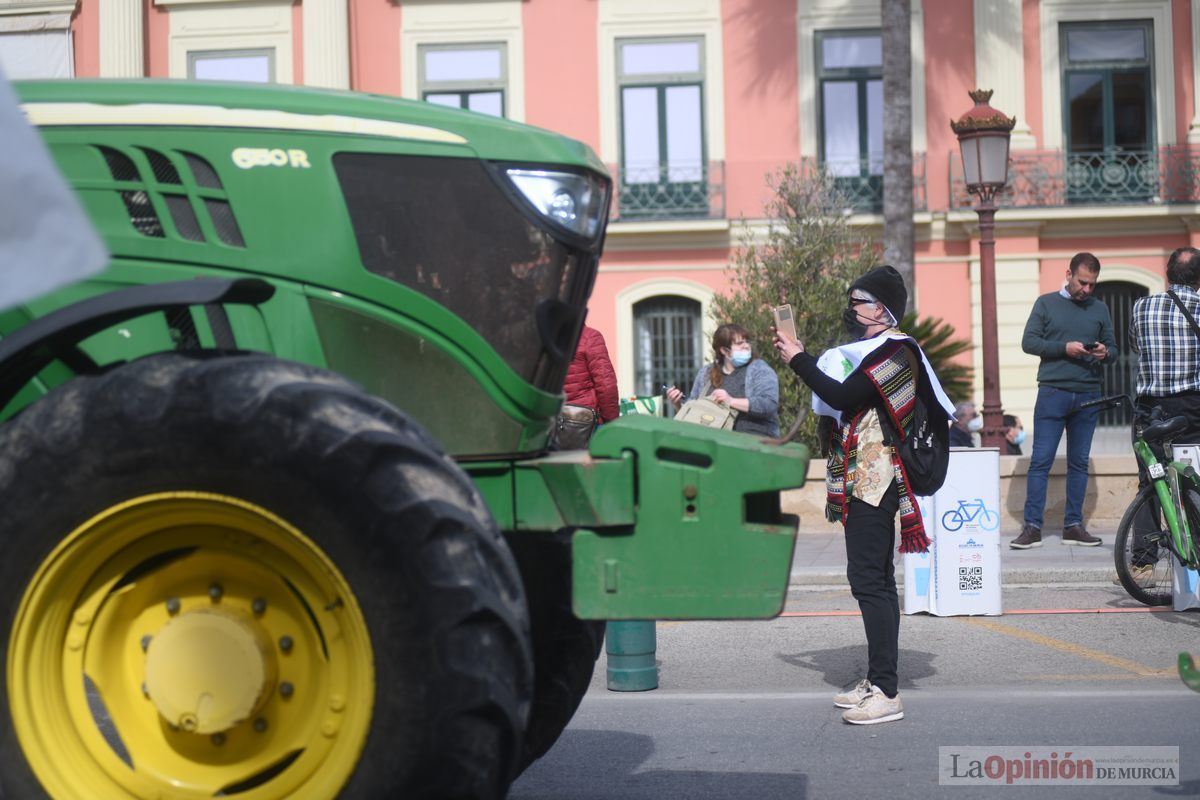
[{"x": 820, "y": 558}]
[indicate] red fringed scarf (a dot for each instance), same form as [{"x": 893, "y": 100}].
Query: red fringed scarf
[{"x": 890, "y": 371}]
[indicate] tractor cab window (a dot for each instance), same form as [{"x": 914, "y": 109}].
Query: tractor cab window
[{"x": 445, "y": 228}]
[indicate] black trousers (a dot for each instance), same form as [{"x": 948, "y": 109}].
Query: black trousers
[
  {"x": 870, "y": 544},
  {"x": 1149, "y": 519}
]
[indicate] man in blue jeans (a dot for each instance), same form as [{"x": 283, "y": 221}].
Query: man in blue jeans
[{"x": 1072, "y": 332}]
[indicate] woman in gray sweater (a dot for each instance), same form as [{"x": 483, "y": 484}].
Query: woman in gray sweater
[{"x": 739, "y": 380}]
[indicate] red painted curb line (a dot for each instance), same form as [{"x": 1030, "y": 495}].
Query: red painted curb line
[{"x": 1005, "y": 614}]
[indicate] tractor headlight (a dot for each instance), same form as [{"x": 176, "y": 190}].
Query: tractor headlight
[{"x": 576, "y": 202}]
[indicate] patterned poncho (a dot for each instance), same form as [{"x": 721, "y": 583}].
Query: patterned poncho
[{"x": 892, "y": 374}]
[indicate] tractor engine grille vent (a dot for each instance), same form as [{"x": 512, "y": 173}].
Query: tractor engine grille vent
[
  {"x": 141, "y": 214},
  {"x": 172, "y": 194}
]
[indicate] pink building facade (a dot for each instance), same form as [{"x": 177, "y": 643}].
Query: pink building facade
[{"x": 694, "y": 103}]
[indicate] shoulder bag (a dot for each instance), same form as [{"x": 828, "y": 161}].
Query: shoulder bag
[
  {"x": 707, "y": 412},
  {"x": 574, "y": 427},
  {"x": 1183, "y": 308}
]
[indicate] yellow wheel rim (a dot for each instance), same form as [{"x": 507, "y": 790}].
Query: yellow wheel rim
[{"x": 183, "y": 644}]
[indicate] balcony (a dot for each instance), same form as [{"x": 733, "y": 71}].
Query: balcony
[
  {"x": 1053, "y": 178},
  {"x": 861, "y": 182},
  {"x": 672, "y": 191}
]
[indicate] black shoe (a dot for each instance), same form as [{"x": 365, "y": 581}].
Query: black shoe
[
  {"x": 1030, "y": 537},
  {"x": 1076, "y": 534}
]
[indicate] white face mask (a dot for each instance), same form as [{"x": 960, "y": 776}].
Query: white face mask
[{"x": 975, "y": 425}]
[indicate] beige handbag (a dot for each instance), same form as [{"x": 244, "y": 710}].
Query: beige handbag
[{"x": 707, "y": 412}]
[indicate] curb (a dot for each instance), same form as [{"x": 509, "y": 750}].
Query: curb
[{"x": 1021, "y": 576}]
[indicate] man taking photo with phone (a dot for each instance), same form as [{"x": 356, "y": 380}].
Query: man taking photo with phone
[
  {"x": 1072, "y": 332},
  {"x": 870, "y": 390}
]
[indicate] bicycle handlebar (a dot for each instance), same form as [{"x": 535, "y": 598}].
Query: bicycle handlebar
[
  {"x": 1111, "y": 401},
  {"x": 1159, "y": 427}
]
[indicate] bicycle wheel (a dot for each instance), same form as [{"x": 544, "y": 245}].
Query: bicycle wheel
[
  {"x": 1142, "y": 560},
  {"x": 989, "y": 521}
]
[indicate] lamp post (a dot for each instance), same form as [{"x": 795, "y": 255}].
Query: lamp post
[{"x": 983, "y": 134}]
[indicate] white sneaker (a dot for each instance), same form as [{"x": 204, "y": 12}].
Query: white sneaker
[
  {"x": 874, "y": 708},
  {"x": 852, "y": 697}
]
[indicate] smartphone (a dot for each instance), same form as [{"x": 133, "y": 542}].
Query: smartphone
[
  {"x": 784, "y": 322},
  {"x": 1091, "y": 346}
]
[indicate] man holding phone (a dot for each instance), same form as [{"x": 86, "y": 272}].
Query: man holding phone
[{"x": 1072, "y": 332}]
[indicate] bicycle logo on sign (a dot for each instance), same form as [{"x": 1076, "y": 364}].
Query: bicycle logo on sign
[{"x": 976, "y": 512}]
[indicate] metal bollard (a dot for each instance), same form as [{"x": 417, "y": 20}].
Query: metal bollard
[{"x": 631, "y": 647}]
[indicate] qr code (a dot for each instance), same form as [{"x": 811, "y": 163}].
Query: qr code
[{"x": 970, "y": 579}]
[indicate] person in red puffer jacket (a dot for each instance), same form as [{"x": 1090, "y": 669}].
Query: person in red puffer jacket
[{"x": 591, "y": 379}]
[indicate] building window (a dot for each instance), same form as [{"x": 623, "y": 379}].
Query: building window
[
  {"x": 1120, "y": 377},
  {"x": 1108, "y": 111},
  {"x": 667, "y": 342},
  {"x": 663, "y": 166},
  {"x": 850, "y": 92},
  {"x": 247, "y": 66},
  {"x": 26, "y": 55},
  {"x": 464, "y": 76}
]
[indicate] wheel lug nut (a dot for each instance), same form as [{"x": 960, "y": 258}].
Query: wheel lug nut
[
  {"x": 260, "y": 724},
  {"x": 173, "y": 606},
  {"x": 259, "y": 605},
  {"x": 215, "y": 591},
  {"x": 218, "y": 739},
  {"x": 285, "y": 644},
  {"x": 145, "y": 643},
  {"x": 286, "y": 689}
]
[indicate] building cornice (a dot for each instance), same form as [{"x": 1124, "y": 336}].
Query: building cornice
[
  {"x": 36, "y": 7},
  {"x": 1075, "y": 221},
  {"x": 956, "y": 225},
  {"x": 212, "y": 2},
  {"x": 702, "y": 234}
]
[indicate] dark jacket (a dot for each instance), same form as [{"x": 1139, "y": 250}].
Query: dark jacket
[
  {"x": 960, "y": 438},
  {"x": 591, "y": 380}
]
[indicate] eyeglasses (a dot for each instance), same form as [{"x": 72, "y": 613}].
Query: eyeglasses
[{"x": 858, "y": 301}]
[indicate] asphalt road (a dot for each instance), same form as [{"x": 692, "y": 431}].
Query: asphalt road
[{"x": 744, "y": 708}]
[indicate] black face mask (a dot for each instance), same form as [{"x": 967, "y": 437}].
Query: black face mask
[{"x": 852, "y": 324}]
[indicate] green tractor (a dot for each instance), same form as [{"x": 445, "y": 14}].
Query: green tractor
[{"x": 280, "y": 518}]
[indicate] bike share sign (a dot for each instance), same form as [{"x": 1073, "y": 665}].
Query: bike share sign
[
  {"x": 1185, "y": 583},
  {"x": 961, "y": 572}
]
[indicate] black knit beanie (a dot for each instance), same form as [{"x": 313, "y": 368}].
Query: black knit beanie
[{"x": 886, "y": 285}]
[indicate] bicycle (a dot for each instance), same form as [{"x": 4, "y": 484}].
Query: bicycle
[
  {"x": 966, "y": 512},
  {"x": 1144, "y": 552}
]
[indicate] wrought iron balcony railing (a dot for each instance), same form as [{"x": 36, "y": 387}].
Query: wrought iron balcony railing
[
  {"x": 670, "y": 191},
  {"x": 861, "y": 181},
  {"x": 1042, "y": 179}
]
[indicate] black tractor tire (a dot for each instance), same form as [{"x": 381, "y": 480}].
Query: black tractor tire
[
  {"x": 565, "y": 648},
  {"x": 437, "y": 586}
]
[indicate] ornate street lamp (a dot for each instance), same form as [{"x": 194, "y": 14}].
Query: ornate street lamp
[{"x": 983, "y": 134}]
